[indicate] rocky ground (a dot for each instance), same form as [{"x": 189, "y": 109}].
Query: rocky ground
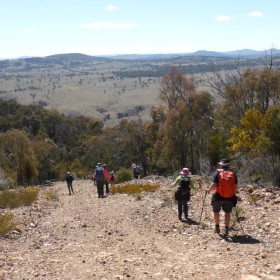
[{"x": 140, "y": 237}]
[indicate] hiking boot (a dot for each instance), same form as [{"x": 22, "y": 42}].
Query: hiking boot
[
  {"x": 217, "y": 229},
  {"x": 226, "y": 231}
]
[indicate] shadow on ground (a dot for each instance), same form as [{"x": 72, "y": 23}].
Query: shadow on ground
[{"x": 242, "y": 239}]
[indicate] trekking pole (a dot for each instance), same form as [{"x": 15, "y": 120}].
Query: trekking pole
[{"x": 203, "y": 202}]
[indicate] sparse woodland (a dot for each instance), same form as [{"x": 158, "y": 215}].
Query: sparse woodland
[{"x": 239, "y": 119}]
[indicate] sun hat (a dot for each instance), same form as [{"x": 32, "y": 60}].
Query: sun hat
[
  {"x": 133, "y": 165},
  {"x": 224, "y": 162},
  {"x": 186, "y": 171}
]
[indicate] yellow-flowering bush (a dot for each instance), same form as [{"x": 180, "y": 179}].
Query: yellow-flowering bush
[
  {"x": 133, "y": 188},
  {"x": 14, "y": 199},
  {"x": 7, "y": 223}
]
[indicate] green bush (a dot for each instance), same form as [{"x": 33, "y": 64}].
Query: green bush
[
  {"x": 123, "y": 175},
  {"x": 14, "y": 199},
  {"x": 7, "y": 223}
]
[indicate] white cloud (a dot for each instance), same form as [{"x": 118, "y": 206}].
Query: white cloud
[
  {"x": 29, "y": 30},
  {"x": 222, "y": 18},
  {"x": 111, "y": 7},
  {"x": 255, "y": 14},
  {"x": 112, "y": 25}
]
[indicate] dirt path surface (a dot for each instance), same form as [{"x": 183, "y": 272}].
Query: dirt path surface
[{"x": 127, "y": 237}]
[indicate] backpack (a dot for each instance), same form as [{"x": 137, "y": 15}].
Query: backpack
[
  {"x": 226, "y": 187},
  {"x": 69, "y": 178},
  {"x": 183, "y": 191},
  {"x": 137, "y": 170},
  {"x": 185, "y": 185},
  {"x": 99, "y": 176}
]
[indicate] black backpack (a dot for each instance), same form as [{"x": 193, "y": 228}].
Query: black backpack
[{"x": 183, "y": 191}]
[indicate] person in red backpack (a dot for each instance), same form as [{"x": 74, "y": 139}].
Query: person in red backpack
[{"x": 224, "y": 186}]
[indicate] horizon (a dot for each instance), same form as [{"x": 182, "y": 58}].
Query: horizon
[
  {"x": 143, "y": 54},
  {"x": 119, "y": 27}
]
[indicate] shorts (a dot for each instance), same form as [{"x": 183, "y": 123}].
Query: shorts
[{"x": 226, "y": 205}]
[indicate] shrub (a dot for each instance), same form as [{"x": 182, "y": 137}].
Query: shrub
[
  {"x": 51, "y": 195},
  {"x": 7, "y": 223},
  {"x": 6, "y": 183},
  {"x": 133, "y": 189},
  {"x": 29, "y": 195},
  {"x": 123, "y": 175},
  {"x": 237, "y": 215},
  {"x": 14, "y": 199}
]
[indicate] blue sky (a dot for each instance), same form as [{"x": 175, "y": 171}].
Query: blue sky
[{"x": 99, "y": 27}]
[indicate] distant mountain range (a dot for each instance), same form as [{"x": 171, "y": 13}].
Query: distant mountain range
[{"x": 244, "y": 53}]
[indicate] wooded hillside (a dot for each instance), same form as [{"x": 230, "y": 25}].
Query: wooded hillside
[{"x": 188, "y": 128}]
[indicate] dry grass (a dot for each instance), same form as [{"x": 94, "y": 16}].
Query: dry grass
[
  {"x": 51, "y": 195},
  {"x": 133, "y": 189},
  {"x": 14, "y": 199},
  {"x": 7, "y": 223}
]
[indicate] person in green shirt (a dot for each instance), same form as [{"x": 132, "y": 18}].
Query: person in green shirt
[{"x": 182, "y": 194}]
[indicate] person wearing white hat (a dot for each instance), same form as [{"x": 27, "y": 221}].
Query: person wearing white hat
[
  {"x": 69, "y": 179},
  {"x": 224, "y": 186}
]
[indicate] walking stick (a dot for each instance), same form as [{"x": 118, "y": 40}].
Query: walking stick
[{"x": 202, "y": 206}]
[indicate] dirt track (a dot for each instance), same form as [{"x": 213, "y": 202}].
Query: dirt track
[{"x": 119, "y": 237}]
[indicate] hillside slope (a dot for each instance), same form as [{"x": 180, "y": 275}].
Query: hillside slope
[{"x": 121, "y": 237}]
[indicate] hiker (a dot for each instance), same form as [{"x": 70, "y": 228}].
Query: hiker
[
  {"x": 100, "y": 178},
  {"x": 69, "y": 179},
  {"x": 137, "y": 171},
  {"x": 106, "y": 177},
  {"x": 224, "y": 186},
  {"x": 112, "y": 178},
  {"x": 183, "y": 192}
]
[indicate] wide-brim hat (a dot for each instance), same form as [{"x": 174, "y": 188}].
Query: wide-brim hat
[
  {"x": 185, "y": 171},
  {"x": 224, "y": 162}
]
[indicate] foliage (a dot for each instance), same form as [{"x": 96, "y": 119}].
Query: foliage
[
  {"x": 7, "y": 223},
  {"x": 20, "y": 161},
  {"x": 133, "y": 188},
  {"x": 123, "y": 175},
  {"x": 14, "y": 199},
  {"x": 259, "y": 137},
  {"x": 189, "y": 129}
]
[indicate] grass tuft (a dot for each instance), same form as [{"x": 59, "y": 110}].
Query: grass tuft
[
  {"x": 237, "y": 215},
  {"x": 7, "y": 223},
  {"x": 14, "y": 199}
]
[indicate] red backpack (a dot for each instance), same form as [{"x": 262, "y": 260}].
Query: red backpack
[{"x": 226, "y": 187}]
